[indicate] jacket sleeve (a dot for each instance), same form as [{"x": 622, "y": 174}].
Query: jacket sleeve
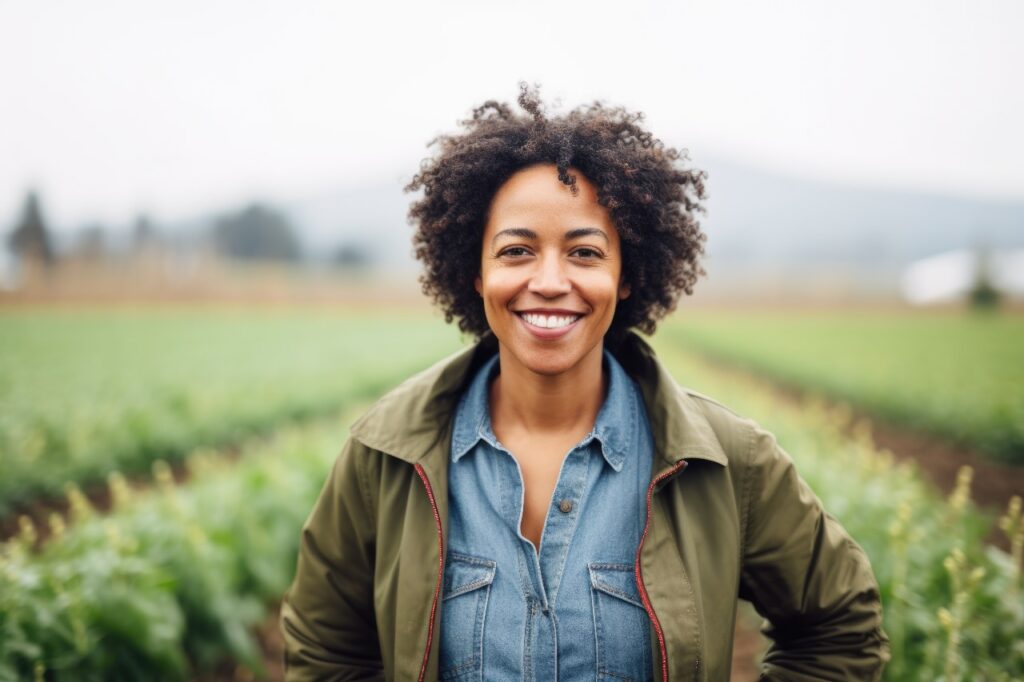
[
  {"x": 327, "y": 615},
  {"x": 807, "y": 577}
]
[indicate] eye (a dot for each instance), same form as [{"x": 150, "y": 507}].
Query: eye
[
  {"x": 514, "y": 251},
  {"x": 587, "y": 253}
]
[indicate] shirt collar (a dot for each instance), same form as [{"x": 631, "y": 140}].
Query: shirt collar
[
  {"x": 472, "y": 416},
  {"x": 614, "y": 428}
]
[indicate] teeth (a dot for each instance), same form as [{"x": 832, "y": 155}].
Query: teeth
[{"x": 550, "y": 321}]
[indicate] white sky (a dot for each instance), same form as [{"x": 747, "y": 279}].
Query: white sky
[{"x": 113, "y": 107}]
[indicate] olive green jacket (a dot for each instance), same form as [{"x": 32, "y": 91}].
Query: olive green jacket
[{"x": 727, "y": 518}]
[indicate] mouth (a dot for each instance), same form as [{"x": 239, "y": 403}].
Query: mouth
[
  {"x": 548, "y": 326},
  {"x": 549, "y": 320}
]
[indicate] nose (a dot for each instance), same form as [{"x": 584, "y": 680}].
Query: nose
[{"x": 549, "y": 278}]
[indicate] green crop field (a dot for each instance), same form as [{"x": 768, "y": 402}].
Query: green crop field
[
  {"x": 953, "y": 607},
  {"x": 85, "y": 392},
  {"x": 170, "y": 583},
  {"x": 958, "y": 375}
]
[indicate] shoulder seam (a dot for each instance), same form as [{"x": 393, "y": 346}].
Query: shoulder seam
[
  {"x": 709, "y": 399},
  {"x": 364, "y": 484},
  {"x": 747, "y": 481}
]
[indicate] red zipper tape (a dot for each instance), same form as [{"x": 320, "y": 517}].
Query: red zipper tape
[
  {"x": 681, "y": 464},
  {"x": 440, "y": 566}
]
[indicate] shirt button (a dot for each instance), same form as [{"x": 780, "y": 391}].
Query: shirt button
[{"x": 565, "y": 506}]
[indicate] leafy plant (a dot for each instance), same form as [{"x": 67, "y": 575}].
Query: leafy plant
[
  {"x": 955, "y": 375},
  {"x": 953, "y": 607},
  {"x": 174, "y": 578}
]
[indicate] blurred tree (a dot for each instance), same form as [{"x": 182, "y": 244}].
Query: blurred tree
[
  {"x": 983, "y": 295},
  {"x": 351, "y": 256},
  {"x": 256, "y": 232},
  {"x": 144, "y": 234},
  {"x": 30, "y": 239},
  {"x": 91, "y": 244}
]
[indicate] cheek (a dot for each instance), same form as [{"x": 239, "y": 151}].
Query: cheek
[
  {"x": 497, "y": 288},
  {"x": 600, "y": 285},
  {"x": 496, "y": 278}
]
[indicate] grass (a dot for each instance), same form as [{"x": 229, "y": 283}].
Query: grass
[
  {"x": 86, "y": 392},
  {"x": 958, "y": 375},
  {"x": 172, "y": 580},
  {"x": 952, "y": 605}
]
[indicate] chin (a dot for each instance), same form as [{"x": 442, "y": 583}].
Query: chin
[
  {"x": 551, "y": 361},
  {"x": 549, "y": 367}
]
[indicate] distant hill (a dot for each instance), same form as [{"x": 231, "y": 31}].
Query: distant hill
[
  {"x": 758, "y": 217},
  {"x": 755, "y": 219}
]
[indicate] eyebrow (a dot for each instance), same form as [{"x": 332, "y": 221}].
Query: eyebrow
[{"x": 527, "y": 233}]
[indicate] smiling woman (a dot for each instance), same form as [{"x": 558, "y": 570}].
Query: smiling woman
[
  {"x": 520, "y": 510},
  {"x": 544, "y": 277}
]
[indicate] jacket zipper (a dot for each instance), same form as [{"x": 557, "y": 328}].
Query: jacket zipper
[
  {"x": 679, "y": 466},
  {"x": 440, "y": 567}
]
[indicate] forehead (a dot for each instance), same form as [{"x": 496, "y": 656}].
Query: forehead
[{"x": 535, "y": 195}]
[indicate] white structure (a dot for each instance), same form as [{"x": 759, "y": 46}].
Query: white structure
[{"x": 950, "y": 276}]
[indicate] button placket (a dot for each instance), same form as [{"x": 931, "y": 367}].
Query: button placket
[{"x": 560, "y": 525}]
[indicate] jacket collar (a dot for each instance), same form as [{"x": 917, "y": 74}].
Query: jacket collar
[
  {"x": 614, "y": 427},
  {"x": 414, "y": 421}
]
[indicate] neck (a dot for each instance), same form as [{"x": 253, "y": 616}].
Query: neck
[{"x": 523, "y": 400}]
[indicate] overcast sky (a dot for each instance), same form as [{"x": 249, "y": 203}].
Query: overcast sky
[{"x": 111, "y": 108}]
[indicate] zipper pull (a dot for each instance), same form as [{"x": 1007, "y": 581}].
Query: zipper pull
[{"x": 676, "y": 469}]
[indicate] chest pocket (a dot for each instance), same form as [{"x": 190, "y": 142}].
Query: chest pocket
[
  {"x": 467, "y": 585},
  {"x": 620, "y": 623}
]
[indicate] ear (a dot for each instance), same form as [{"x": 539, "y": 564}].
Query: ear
[
  {"x": 478, "y": 284},
  {"x": 624, "y": 291}
]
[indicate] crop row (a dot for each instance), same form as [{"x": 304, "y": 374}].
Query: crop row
[
  {"x": 953, "y": 606},
  {"x": 83, "y": 393},
  {"x": 171, "y": 582},
  {"x": 955, "y": 375}
]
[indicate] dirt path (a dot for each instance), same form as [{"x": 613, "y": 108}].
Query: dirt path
[
  {"x": 938, "y": 458},
  {"x": 748, "y": 645},
  {"x": 39, "y": 510}
]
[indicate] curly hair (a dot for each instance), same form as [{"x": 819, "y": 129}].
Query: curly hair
[{"x": 651, "y": 199}]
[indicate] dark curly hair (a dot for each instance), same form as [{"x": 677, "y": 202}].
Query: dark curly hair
[{"x": 651, "y": 198}]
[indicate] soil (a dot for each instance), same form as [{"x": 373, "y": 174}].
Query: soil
[
  {"x": 939, "y": 459},
  {"x": 98, "y": 495},
  {"x": 748, "y": 645},
  {"x": 271, "y": 642},
  {"x": 993, "y": 483}
]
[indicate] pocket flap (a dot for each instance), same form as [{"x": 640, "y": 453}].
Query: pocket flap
[
  {"x": 465, "y": 573},
  {"x": 617, "y": 580}
]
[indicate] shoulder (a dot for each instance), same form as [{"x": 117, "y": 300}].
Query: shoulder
[
  {"x": 744, "y": 440},
  {"x": 717, "y": 413},
  {"x": 684, "y": 420},
  {"x": 410, "y": 417}
]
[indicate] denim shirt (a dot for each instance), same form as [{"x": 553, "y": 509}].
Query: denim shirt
[{"x": 571, "y": 611}]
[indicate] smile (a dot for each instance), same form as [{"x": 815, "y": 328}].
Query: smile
[
  {"x": 548, "y": 327},
  {"x": 549, "y": 321}
]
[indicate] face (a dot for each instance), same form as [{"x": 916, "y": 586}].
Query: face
[{"x": 550, "y": 271}]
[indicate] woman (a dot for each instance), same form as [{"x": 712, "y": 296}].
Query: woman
[{"x": 549, "y": 504}]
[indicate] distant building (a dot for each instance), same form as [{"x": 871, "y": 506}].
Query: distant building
[{"x": 950, "y": 276}]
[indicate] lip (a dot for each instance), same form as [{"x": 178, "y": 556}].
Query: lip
[
  {"x": 548, "y": 311},
  {"x": 543, "y": 332}
]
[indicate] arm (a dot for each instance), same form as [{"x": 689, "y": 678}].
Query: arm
[
  {"x": 327, "y": 615},
  {"x": 807, "y": 577}
]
